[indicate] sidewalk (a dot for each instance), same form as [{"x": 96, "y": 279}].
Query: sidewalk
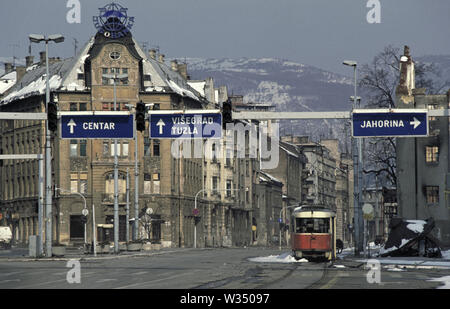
[
  {"x": 21, "y": 254},
  {"x": 347, "y": 257}
]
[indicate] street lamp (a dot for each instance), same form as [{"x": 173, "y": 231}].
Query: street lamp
[
  {"x": 37, "y": 38},
  {"x": 357, "y": 175},
  {"x": 115, "y": 77}
]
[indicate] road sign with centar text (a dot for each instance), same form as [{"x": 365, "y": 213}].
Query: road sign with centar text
[
  {"x": 390, "y": 122},
  {"x": 185, "y": 124},
  {"x": 90, "y": 125}
]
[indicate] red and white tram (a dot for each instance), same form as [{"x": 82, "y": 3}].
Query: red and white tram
[{"x": 313, "y": 233}]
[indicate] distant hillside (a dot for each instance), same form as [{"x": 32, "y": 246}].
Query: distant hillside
[{"x": 288, "y": 85}]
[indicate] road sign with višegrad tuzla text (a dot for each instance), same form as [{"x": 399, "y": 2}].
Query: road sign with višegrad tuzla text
[
  {"x": 92, "y": 125},
  {"x": 185, "y": 124},
  {"x": 390, "y": 122}
]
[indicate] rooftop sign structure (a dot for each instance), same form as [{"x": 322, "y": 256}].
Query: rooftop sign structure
[{"x": 113, "y": 21}]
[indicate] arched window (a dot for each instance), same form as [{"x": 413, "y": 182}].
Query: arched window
[{"x": 109, "y": 183}]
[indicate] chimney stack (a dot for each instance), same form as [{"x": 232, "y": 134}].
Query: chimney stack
[
  {"x": 182, "y": 69},
  {"x": 29, "y": 61},
  {"x": 152, "y": 53},
  {"x": 8, "y": 67},
  {"x": 20, "y": 71},
  {"x": 161, "y": 58},
  {"x": 42, "y": 57},
  {"x": 407, "y": 74},
  {"x": 174, "y": 65}
]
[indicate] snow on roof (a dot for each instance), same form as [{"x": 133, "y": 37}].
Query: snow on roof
[
  {"x": 289, "y": 152},
  {"x": 198, "y": 85},
  {"x": 7, "y": 81},
  {"x": 35, "y": 87},
  {"x": 269, "y": 177},
  {"x": 416, "y": 225}
]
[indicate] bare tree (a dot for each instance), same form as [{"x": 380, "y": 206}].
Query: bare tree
[{"x": 378, "y": 82}]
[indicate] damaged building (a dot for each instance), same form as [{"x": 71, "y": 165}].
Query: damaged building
[{"x": 423, "y": 168}]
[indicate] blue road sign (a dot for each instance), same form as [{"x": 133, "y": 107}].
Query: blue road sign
[
  {"x": 185, "y": 124},
  {"x": 88, "y": 125},
  {"x": 393, "y": 123}
]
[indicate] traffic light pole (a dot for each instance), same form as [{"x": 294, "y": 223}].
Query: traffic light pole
[{"x": 48, "y": 165}]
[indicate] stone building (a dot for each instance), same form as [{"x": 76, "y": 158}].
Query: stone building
[
  {"x": 423, "y": 168},
  {"x": 167, "y": 184},
  {"x": 344, "y": 189}
]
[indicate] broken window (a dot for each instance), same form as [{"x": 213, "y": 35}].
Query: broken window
[
  {"x": 431, "y": 154},
  {"x": 432, "y": 194}
]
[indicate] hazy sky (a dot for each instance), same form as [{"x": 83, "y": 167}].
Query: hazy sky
[{"x": 316, "y": 32}]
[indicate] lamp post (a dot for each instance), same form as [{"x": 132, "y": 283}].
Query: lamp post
[
  {"x": 57, "y": 38},
  {"x": 357, "y": 175},
  {"x": 116, "y": 76}
]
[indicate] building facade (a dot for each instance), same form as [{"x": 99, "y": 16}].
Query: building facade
[{"x": 423, "y": 180}]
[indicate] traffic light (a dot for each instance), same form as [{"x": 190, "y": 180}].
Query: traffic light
[
  {"x": 52, "y": 116},
  {"x": 140, "y": 116},
  {"x": 226, "y": 113}
]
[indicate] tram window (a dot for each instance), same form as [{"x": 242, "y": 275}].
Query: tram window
[{"x": 312, "y": 225}]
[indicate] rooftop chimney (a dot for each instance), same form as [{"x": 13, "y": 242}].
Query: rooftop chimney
[
  {"x": 161, "y": 58},
  {"x": 8, "y": 67},
  {"x": 42, "y": 57},
  {"x": 174, "y": 65},
  {"x": 182, "y": 69},
  {"x": 407, "y": 74},
  {"x": 20, "y": 71},
  {"x": 29, "y": 61},
  {"x": 152, "y": 53}
]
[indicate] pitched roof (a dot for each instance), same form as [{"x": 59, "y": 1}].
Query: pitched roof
[{"x": 64, "y": 77}]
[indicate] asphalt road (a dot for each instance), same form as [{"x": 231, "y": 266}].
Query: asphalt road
[{"x": 205, "y": 269}]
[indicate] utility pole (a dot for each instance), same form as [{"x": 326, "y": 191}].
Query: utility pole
[
  {"x": 115, "y": 77},
  {"x": 57, "y": 38},
  {"x": 357, "y": 175}
]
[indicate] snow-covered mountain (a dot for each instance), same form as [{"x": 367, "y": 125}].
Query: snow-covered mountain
[{"x": 290, "y": 86}]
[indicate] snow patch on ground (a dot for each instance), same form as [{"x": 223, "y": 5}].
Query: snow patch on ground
[
  {"x": 445, "y": 280},
  {"x": 282, "y": 258}
]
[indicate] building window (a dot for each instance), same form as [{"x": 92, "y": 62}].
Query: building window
[
  {"x": 432, "y": 154},
  {"x": 214, "y": 185},
  {"x": 78, "y": 148},
  {"x": 83, "y": 106},
  {"x": 147, "y": 184},
  {"x": 156, "y": 183},
  {"x": 432, "y": 194},
  {"x": 147, "y": 147},
  {"x": 229, "y": 186},
  {"x": 78, "y": 182},
  {"x": 73, "y": 106},
  {"x": 156, "y": 148}
]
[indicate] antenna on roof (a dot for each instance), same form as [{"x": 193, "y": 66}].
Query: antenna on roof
[
  {"x": 75, "y": 45},
  {"x": 144, "y": 46}
]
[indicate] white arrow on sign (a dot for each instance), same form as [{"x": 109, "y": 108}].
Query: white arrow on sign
[
  {"x": 415, "y": 123},
  {"x": 160, "y": 124},
  {"x": 71, "y": 124}
]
